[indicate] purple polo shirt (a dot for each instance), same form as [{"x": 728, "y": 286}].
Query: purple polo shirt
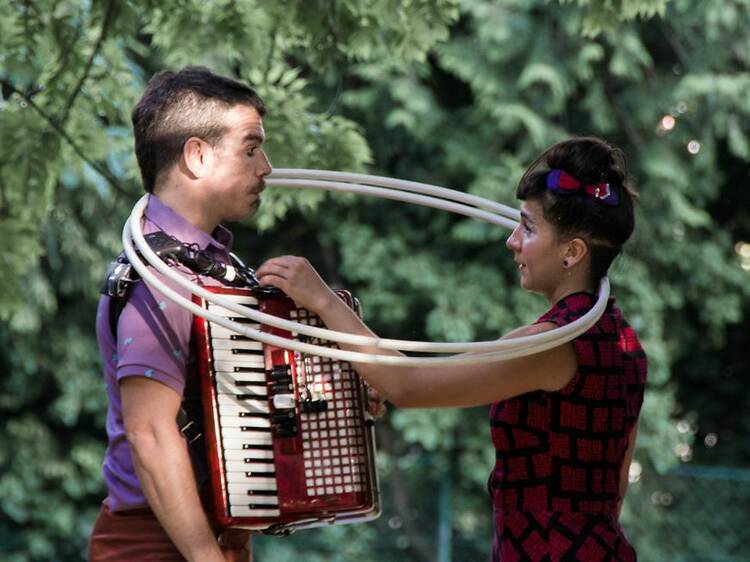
[{"x": 153, "y": 341}]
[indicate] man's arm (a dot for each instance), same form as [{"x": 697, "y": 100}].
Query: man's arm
[{"x": 163, "y": 466}]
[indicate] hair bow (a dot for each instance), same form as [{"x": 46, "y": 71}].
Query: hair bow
[{"x": 560, "y": 182}]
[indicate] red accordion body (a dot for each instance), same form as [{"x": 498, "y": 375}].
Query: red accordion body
[{"x": 286, "y": 434}]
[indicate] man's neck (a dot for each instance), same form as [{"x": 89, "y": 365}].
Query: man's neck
[{"x": 180, "y": 201}]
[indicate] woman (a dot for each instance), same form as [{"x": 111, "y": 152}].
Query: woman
[{"x": 563, "y": 421}]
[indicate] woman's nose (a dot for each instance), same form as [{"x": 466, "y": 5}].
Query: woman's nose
[{"x": 512, "y": 242}]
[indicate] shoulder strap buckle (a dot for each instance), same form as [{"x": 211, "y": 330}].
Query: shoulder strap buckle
[{"x": 120, "y": 276}]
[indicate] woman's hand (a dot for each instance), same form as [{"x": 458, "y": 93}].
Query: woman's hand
[
  {"x": 299, "y": 280},
  {"x": 375, "y": 403}
]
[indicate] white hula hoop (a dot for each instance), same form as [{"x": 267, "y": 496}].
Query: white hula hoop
[{"x": 412, "y": 192}]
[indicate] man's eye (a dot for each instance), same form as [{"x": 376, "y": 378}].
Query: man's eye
[{"x": 251, "y": 152}]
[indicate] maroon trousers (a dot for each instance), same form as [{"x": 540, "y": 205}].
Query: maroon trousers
[{"x": 136, "y": 534}]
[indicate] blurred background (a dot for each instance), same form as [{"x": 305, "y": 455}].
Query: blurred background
[{"x": 459, "y": 93}]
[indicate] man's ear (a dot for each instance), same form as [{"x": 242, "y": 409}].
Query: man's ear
[
  {"x": 198, "y": 156},
  {"x": 577, "y": 250}
]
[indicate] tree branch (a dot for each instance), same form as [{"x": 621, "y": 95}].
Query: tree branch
[
  {"x": 106, "y": 174},
  {"x": 97, "y": 47},
  {"x": 682, "y": 55},
  {"x": 64, "y": 56},
  {"x": 271, "y": 52}
]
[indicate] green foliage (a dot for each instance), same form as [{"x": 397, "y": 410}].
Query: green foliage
[
  {"x": 462, "y": 94},
  {"x": 606, "y": 15}
]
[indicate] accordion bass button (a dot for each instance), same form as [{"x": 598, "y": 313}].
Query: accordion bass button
[{"x": 284, "y": 401}]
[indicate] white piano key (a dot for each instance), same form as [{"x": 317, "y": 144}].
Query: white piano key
[
  {"x": 268, "y": 502},
  {"x": 236, "y": 360},
  {"x": 238, "y": 457},
  {"x": 242, "y": 345},
  {"x": 258, "y": 483},
  {"x": 226, "y": 313},
  {"x": 231, "y": 377},
  {"x": 237, "y": 421},
  {"x": 251, "y": 365},
  {"x": 248, "y": 392},
  {"x": 220, "y": 332},
  {"x": 240, "y": 511},
  {"x": 242, "y": 299},
  {"x": 252, "y": 423},
  {"x": 237, "y": 472},
  {"x": 232, "y": 410},
  {"x": 258, "y": 392}
]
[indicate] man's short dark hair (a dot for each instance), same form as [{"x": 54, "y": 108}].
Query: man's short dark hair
[{"x": 180, "y": 105}]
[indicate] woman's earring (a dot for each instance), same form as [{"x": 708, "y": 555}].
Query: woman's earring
[{"x": 565, "y": 264}]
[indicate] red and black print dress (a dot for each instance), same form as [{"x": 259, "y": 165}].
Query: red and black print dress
[{"x": 555, "y": 485}]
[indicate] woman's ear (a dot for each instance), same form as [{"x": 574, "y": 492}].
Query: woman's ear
[
  {"x": 198, "y": 156},
  {"x": 577, "y": 249}
]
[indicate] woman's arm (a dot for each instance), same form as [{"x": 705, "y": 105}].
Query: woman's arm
[
  {"x": 461, "y": 385},
  {"x": 625, "y": 470}
]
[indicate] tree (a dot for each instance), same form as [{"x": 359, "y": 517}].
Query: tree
[
  {"x": 457, "y": 94},
  {"x": 70, "y": 74}
]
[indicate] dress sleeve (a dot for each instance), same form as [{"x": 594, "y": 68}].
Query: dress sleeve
[{"x": 153, "y": 338}]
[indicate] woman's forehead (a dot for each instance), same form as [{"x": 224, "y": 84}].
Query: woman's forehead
[{"x": 532, "y": 210}]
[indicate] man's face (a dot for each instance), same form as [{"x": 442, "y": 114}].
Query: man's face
[{"x": 240, "y": 165}]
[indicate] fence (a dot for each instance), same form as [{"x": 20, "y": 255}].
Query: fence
[{"x": 692, "y": 514}]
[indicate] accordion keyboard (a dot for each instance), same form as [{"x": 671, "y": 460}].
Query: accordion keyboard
[{"x": 244, "y": 417}]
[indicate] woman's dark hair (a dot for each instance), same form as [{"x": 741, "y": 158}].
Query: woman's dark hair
[
  {"x": 605, "y": 228},
  {"x": 180, "y": 105}
]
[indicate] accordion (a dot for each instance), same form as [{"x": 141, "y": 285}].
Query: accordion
[{"x": 287, "y": 436}]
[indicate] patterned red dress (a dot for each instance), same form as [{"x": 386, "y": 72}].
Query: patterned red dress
[{"x": 555, "y": 485}]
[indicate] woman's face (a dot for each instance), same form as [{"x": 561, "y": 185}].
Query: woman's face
[{"x": 537, "y": 251}]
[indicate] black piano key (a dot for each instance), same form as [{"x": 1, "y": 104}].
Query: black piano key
[
  {"x": 254, "y": 415},
  {"x": 249, "y": 370},
  {"x": 251, "y": 397},
  {"x": 242, "y": 320},
  {"x": 250, "y": 383}
]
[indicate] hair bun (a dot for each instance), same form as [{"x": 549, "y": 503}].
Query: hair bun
[{"x": 589, "y": 160}]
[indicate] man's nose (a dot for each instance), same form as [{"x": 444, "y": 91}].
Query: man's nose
[{"x": 266, "y": 167}]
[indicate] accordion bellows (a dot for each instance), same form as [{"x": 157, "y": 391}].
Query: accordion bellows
[{"x": 287, "y": 437}]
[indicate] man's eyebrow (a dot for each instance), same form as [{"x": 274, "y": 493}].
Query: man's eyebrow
[{"x": 254, "y": 137}]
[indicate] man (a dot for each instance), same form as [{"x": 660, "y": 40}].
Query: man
[{"x": 198, "y": 140}]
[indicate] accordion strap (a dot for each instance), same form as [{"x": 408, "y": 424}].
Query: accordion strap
[{"x": 118, "y": 283}]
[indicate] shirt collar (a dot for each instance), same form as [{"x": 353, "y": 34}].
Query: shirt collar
[{"x": 163, "y": 217}]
